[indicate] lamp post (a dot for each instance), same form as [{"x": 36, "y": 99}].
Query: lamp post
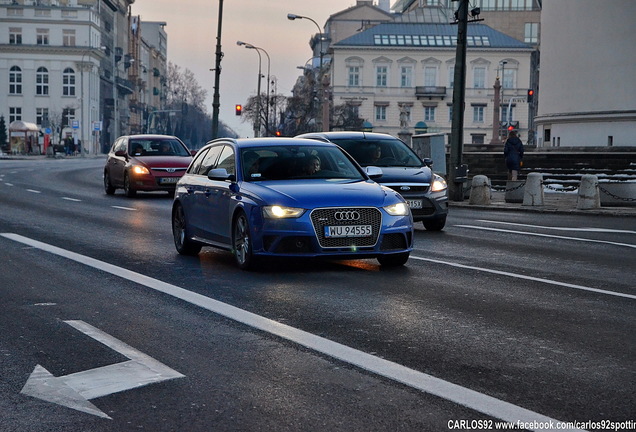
[
  {"x": 323, "y": 82},
  {"x": 258, "y": 50}
]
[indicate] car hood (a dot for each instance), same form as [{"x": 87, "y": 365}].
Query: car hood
[
  {"x": 405, "y": 175},
  {"x": 163, "y": 161},
  {"x": 322, "y": 193}
]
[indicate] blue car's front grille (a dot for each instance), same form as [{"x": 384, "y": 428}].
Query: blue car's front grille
[{"x": 346, "y": 216}]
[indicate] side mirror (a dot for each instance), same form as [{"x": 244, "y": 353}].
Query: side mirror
[
  {"x": 428, "y": 162},
  {"x": 193, "y": 152},
  {"x": 374, "y": 172},
  {"x": 220, "y": 174},
  {"x": 121, "y": 153}
]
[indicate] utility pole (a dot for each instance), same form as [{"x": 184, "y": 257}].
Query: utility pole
[
  {"x": 458, "y": 171},
  {"x": 217, "y": 76}
]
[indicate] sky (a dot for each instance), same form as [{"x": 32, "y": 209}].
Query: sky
[{"x": 192, "y": 27}]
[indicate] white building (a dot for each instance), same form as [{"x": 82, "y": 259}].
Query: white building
[
  {"x": 400, "y": 77},
  {"x": 587, "y": 92}
]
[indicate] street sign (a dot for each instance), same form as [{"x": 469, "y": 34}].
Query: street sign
[
  {"x": 75, "y": 390},
  {"x": 75, "y": 124},
  {"x": 47, "y": 131},
  {"x": 97, "y": 125}
]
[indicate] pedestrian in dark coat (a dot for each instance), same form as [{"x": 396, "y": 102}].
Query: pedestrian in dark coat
[{"x": 513, "y": 152}]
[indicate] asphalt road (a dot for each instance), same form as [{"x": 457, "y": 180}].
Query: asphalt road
[{"x": 507, "y": 316}]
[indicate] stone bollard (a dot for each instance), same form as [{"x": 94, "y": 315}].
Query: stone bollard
[
  {"x": 589, "y": 196},
  {"x": 480, "y": 190},
  {"x": 533, "y": 194}
]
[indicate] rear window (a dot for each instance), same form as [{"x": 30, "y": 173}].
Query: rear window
[{"x": 383, "y": 152}]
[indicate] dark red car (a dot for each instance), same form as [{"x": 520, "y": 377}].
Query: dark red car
[{"x": 145, "y": 163}]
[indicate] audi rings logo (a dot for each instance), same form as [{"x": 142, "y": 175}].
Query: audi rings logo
[{"x": 349, "y": 215}]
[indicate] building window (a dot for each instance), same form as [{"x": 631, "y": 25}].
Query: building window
[
  {"x": 15, "y": 80},
  {"x": 478, "y": 114},
  {"x": 504, "y": 113},
  {"x": 68, "y": 115},
  {"x": 406, "y": 76},
  {"x": 354, "y": 76},
  {"x": 531, "y": 34},
  {"x": 15, "y": 36},
  {"x": 42, "y": 117},
  {"x": 451, "y": 76},
  {"x": 380, "y": 112},
  {"x": 477, "y": 138},
  {"x": 68, "y": 37},
  {"x": 42, "y": 81},
  {"x": 381, "y": 74},
  {"x": 15, "y": 114},
  {"x": 479, "y": 77},
  {"x": 68, "y": 82},
  {"x": 450, "y": 113},
  {"x": 430, "y": 76},
  {"x": 42, "y": 36},
  {"x": 429, "y": 114},
  {"x": 509, "y": 78}
]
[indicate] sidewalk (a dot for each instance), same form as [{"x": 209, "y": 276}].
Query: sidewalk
[{"x": 554, "y": 202}]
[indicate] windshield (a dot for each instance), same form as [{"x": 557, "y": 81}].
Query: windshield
[
  {"x": 381, "y": 152},
  {"x": 297, "y": 162},
  {"x": 156, "y": 147}
]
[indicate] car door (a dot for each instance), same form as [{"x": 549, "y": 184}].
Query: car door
[
  {"x": 218, "y": 201},
  {"x": 198, "y": 194},
  {"x": 117, "y": 164}
]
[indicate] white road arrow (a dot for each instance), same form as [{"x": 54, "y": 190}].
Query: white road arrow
[{"x": 75, "y": 390}]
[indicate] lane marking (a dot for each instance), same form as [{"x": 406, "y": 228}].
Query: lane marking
[
  {"x": 599, "y": 230},
  {"x": 9, "y": 184},
  {"x": 547, "y": 235},
  {"x": 33, "y": 191},
  {"x": 124, "y": 208},
  {"x": 426, "y": 383},
  {"x": 75, "y": 390},
  {"x": 71, "y": 199},
  {"x": 531, "y": 278}
]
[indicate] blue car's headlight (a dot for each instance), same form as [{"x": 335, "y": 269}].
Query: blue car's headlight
[
  {"x": 439, "y": 184},
  {"x": 399, "y": 209},
  {"x": 279, "y": 212}
]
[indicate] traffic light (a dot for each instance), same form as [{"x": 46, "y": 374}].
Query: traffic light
[
  {"x": 530, "y": 95},
  {"x": 278, "y": 133},
  {"x": 238, "y": 109},
  {"x": 511, "y": 128}
]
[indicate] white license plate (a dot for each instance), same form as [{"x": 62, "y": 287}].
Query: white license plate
[
  {"x": 348, "y": 231},
  {"x": 414, "y": 204},
  {"x": 168, "y": 180}
]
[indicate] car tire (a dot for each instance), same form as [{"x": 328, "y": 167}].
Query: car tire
[
  {"x": 128, "y": 189},
  {"x": 182, "y": 241},
  {"x": 435, "y": 224},
  {"x": 393, "y": 260},
  {"x": 108, "y": 186},
  {"x": 242, "y": 243}
]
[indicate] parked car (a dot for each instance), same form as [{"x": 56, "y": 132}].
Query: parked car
[
  {"x": 145, "y": 163},
  {"x": 286, "y": 197},
  {"x": 402, "y": 170}
]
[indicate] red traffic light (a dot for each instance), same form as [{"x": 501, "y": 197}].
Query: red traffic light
[
  {"x": 278, "y": 133},
  {"x": 511, "y": 128},
  {"x": 238, "y": 109},
  {"x": 530, "y": 95}
]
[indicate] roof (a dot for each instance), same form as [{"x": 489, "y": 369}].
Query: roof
[
  {"x": 430, "y": 35},
  {"x": 22, "y": 126}
]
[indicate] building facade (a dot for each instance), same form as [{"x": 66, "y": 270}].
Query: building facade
[
  {"x": 73, "y": 67},
  {"x": 399, "y": 76},
  {"x": 587, "y": 90}
]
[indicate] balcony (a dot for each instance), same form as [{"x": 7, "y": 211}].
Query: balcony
[
  {"x": 430, "y": 92},
  {"x": 124, "y": 86}
]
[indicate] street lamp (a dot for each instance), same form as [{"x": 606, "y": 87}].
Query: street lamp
[
  {"x": 258, "y": 50},
  {"x": 323, "y": 83}
]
